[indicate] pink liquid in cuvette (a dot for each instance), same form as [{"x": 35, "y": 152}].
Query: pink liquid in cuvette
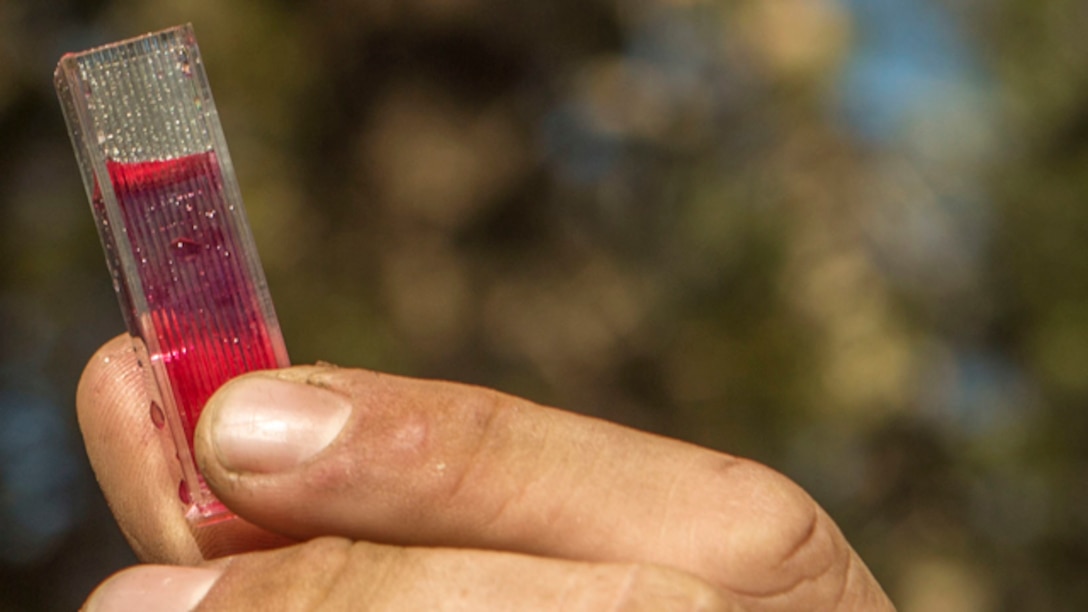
[{"x": 204, "y": 307}]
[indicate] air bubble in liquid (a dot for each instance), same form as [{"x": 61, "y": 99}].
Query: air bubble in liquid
[{"x": 186, "y": 247}]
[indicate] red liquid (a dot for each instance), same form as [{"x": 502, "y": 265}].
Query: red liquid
[{"x": 203, "y": 302}]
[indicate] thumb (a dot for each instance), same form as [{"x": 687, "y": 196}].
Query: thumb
[
  {"x": 318, "y": 450},
  {"x": 322, "y": 451}
]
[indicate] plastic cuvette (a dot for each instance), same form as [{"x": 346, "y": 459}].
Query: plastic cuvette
[{"x": 169, "y": 212}]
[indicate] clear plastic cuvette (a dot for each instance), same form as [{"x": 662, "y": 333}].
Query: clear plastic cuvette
[{"x": 169, "y": 212}]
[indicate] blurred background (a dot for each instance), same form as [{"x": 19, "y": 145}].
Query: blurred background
[{"x": 846, "y": 238}]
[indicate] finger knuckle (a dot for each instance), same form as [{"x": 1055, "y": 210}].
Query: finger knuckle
[{"x": 776, "y": 540}]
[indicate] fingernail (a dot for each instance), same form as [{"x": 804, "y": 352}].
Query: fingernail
[
  {"x": 266, "y": 425},
  {"x": 155, "y": 588}
]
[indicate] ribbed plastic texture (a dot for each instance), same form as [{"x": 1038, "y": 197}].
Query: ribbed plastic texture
[{"x": 170, "y": 216}]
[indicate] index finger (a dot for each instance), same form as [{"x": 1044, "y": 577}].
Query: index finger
[
  {"x": 315, "y": 451},
  {"x": 137, "y": 475}
]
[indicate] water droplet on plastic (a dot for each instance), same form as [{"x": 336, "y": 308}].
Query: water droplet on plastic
[
  {"x": 186, "y": 247},
  {"x": 184, "y": 65},
  {"x": 157, "y": 416},
  {"x": 210, "y": 214},
  {"x": 184, "y": 495}
]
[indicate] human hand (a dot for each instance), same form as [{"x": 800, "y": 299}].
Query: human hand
[{"x": 411, "y": 494}]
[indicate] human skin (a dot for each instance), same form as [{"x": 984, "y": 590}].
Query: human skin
[{"x": 405, "y": 494}]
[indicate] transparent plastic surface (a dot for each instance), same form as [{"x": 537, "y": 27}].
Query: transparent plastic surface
[{"x": 185, "y": 268}]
